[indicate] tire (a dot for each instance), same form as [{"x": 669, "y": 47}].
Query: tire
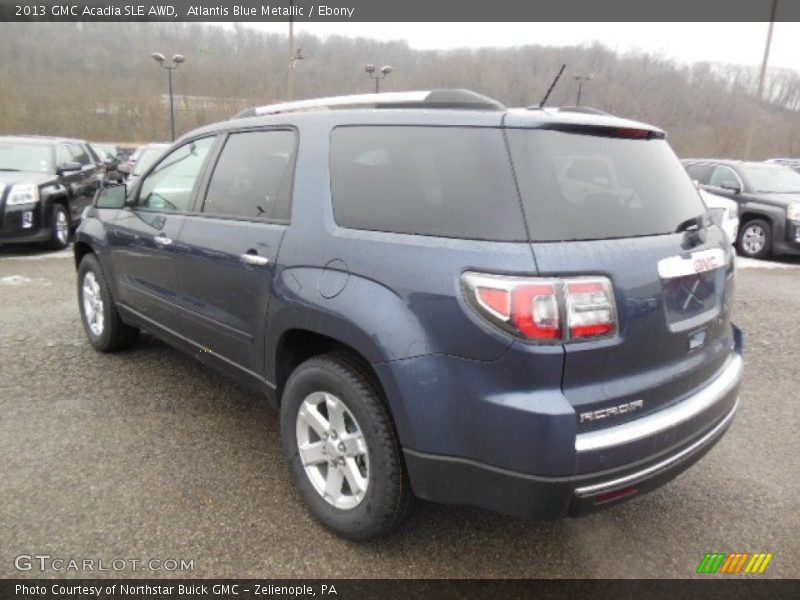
[
  {"x": 381, "y": 495},
  {"x": 755, "y": 239},
  {"x": 93, "y": 291},
  {"x": 59, "y": 228}
]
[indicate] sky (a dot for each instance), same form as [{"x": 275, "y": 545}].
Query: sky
[{"x": 741, "y": 43}]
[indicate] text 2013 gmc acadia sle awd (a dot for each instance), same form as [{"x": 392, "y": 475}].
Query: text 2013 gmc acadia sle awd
[{"x": 521, "y": 310}]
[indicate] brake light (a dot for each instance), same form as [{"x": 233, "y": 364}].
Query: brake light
[{"x": 535, "y": 308}]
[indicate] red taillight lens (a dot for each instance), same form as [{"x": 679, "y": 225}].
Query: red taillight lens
[
  {"x": 534, "y": 308},
  {"x": 534, "y": 311}
]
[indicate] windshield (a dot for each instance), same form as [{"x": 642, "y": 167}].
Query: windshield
[
  {"x": 105, "y": 151},
  {"x": 586, "y": 187},
  {"x": 145, "y": 159},
  {"x": 775, "y": 179},
  {"x": 26, "y": 157}
]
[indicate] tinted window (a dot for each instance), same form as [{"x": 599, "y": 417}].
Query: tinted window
[
  {"x": 63, "y": 155},
  {"x": 253, "y": 176},
  {"x": 582, "y": 187},
  {"x": 147, "y": 158},
  {"x": 442, "y": 181},
  {"x": 79, "y": 154},
  {"x": 26, "y": 157},
  {"x": 700, "y": 173},
  {"x": 723, "y": 177},
  {"x": 170, "y": 185},
  {"x": 772, "y": 178}
]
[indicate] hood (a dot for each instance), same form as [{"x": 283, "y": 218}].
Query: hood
[
  {"x": 9, "y": 178},
  {"x": 778, "y": 199}
]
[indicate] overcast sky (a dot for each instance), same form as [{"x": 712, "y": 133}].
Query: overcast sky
[{"x": 741, "y": 43}]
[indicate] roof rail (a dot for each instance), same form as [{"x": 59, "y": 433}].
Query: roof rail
[{"x": 446, "y": 98}]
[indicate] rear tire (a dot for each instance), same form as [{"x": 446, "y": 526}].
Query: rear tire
[
  {"x": 101, "y": 321},
  {"x": 329, "y": 400},
  {"x": 755, "y": 239},
  {"x": 59, "y": 228}
]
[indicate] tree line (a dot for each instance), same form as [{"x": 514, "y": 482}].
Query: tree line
[{"x": 97, "y": 81}]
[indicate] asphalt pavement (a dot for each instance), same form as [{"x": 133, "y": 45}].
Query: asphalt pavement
[{"x": 146, "y": 455}]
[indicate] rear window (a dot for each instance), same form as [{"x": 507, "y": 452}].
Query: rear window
[
  {"x": 441, "y": 181},
  {"x": 585, "y": 187}
]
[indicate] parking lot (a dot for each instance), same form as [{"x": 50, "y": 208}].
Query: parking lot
[{"x": 148, "y": 455}]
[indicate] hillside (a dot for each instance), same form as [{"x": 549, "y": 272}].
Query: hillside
[{"x": 97, "y": 81}]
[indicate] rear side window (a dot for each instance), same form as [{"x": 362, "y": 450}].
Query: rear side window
[
  {"x": 253, "y": 176},
  {"x": 440, "y": 181},
  {"x": 586, "y": 187}
]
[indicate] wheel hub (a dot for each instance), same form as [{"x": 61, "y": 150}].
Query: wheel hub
[{"x": 333, "y": 450}]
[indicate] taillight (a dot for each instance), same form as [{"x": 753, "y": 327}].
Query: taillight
[{"x": 544, "y": 309}]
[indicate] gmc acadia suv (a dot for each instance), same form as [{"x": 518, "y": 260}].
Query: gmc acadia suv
[{"x": 521, "y": 310}]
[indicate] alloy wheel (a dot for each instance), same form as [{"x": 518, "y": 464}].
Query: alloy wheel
[{"x": 93, "y": 310}]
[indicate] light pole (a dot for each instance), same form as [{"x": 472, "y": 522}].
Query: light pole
[
  {"x": 762, "y": 74},
  {"x": 294, "y": 56},
  {"x": 378, "y": 75},
  {"x": 580, "y": 79},
  {"x": 177, "y": 59}
]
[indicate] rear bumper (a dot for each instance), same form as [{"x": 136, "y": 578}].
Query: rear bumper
[
  {"x": 682, "y": 434},
  {"x": 460, "y": 481}
]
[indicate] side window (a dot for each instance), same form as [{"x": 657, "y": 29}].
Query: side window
[
  {"x": 723, "y": 177},
  {"x": 63, "y": 155},
  {"x": 253, "y": 176},
  {"x": 79, "y": 155},
  {"x": 170, "y": 185},
  {"x": 443, "y": 181},
  {"x": 700, "y": 173}
]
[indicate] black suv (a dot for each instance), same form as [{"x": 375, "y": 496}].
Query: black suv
[
  {"x": 768, "y": 196},
  {"x": 521, "y": 310},
  {"x": 45, "y": 184}
]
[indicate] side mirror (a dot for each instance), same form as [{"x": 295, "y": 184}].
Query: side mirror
[
  {"x": 69, "y": 166},
  {"x": 113, "y": 196},
  {"x": 731, "y": 187}
]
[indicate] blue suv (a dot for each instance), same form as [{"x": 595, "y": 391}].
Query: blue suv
[{"x": 525, "y": 310}]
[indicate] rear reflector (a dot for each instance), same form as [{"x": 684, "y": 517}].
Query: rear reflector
[
  {"x": 544, "y": 310},
  {"x": 615, "y": 495}
]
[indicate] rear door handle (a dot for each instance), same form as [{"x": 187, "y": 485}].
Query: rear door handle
[
  {"x": 254, "y": 259},
  {"x": 162, "y": 240}
]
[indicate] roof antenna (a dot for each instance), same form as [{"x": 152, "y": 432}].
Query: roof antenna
[{"x": 552, "y": 85}]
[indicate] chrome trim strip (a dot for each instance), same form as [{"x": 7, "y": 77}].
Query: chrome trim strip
[
  {"x": 664, "y": 419},
  {"x": 591, "y": 490}
]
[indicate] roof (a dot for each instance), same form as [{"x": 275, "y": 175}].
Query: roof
[
  {"x": 456, "y": 107},
  {"x": 32, "y": 139}
]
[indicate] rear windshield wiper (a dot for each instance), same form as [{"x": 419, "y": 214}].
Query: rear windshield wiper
[
  {"x": 694, "y": 223},
  {"x": 17, "y": 170}
]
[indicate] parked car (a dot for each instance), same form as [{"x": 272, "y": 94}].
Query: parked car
[
  {"x": 433, "y": 309},
  {"x": 792, "y": 163},
  {"x": 725, "y": 210},
  {"x": 768, "y": 196},
  {"x": 147, "y": 155},
  {"x": 125, "y": 165},
  {"x": 109, "y": 155},
  {"x": 45, "y": 184}
]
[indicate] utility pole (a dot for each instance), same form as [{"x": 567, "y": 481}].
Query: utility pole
[
  {"x": 170, "y": 67},
  {"x": 748, "y": 150},
  {"x": 290, "y": 85},
  {"x": 580, "y": 79}
]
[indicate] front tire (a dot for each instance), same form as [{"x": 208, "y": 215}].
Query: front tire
[
  {"x": 59, "y": 228},
  {"x": 755, "y": 239},
  {"x": 101, "y": 321},
  {"x": 342, "y": 450}
]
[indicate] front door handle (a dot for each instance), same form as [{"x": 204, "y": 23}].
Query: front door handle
[
  {"x": 254, "y": 259},
  {"x": 162, "y": 240}
]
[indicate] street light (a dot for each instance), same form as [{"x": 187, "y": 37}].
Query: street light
[
  {"x": 378, "y": 75},
  {"x": 580, "y": 79},
  {"x": 177, "y": 59}
]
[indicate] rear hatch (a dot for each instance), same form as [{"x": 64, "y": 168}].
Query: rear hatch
[{"x": 612, "y": 200}]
